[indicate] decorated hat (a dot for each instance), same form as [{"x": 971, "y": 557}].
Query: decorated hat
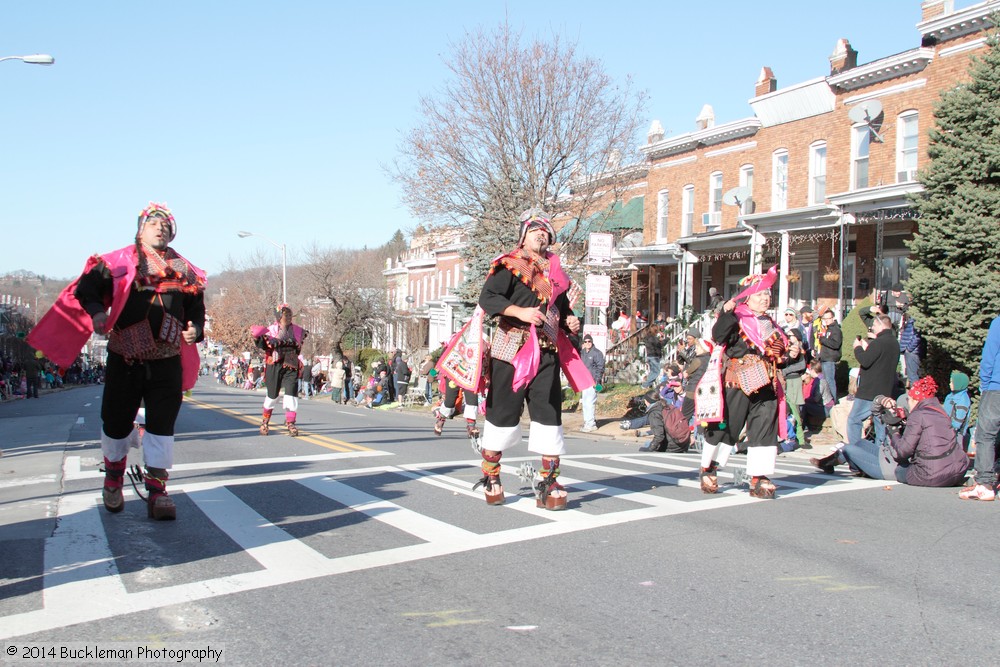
[
  {"x": 159, "y": 211},
  {"x": 923, "y": 388},
  {"x": 535, "y": 218},
  {"x": 757, "y": 282}
]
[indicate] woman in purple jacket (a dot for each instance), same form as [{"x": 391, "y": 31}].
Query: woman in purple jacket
[{"x": 926, "y": 453}]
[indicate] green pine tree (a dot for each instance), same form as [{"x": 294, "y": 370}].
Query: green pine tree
[{"x": 954, "y": 276}]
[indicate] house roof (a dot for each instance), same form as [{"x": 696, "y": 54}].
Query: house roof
[{"x": 614, "y": 218}]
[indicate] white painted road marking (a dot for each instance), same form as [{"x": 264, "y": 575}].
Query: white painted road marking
[{"x": 82, "y": 583}]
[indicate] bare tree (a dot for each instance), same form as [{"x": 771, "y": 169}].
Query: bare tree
[
  {"x": 245, "y": 294},
  {"x": 518, "y": 124}
]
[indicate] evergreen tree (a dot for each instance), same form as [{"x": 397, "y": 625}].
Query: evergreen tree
[{"x": 955, "y": 273}]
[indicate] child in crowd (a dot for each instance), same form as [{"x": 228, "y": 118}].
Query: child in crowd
[
  {"x": 956, "y": 405},
  {"x": 818, "y": 399}
]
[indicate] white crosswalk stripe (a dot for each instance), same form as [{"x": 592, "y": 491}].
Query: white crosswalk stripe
[{"x": 82, "y": 581}]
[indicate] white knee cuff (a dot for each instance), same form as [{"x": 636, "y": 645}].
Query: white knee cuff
[
  {"x": 546, "y": 440},
  {"x": 115, "y": 449},
  {"x": 500, "y": 438},
  {"x": 269, "y": 403},
  {"x": 470, "y": 411},
  {"x": 158, "y": 450},
  {"x": 290, "y": 404},
  {"x": 760, "y": 461}
]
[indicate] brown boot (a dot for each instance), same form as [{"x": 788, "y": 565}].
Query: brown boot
[
  {"x": 159, "y": 505},
  {"x": 265, "y": 422},
  {"x": 827, "y": 463},
  {"x": 114, "y": 475}
]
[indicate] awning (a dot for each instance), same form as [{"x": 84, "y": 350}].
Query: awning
[{"x": 615, "y": 218}]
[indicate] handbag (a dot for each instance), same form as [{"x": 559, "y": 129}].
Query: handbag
[
  {"x": 170, "y": 330},
  {"x": 751, "y": 373},
  {"x": 506, "y": 342},
  {"x": 133, "y": 342}
]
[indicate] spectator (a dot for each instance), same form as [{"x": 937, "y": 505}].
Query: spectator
[
  {"x": 593, "y": 359},
  {"x": 831, "y": 341},
  {"x": 988, "y": 422},
  {"x": 715, "y": 301},
  {"x": 337, "y": 378},
  {"x": 400, "y": 376},
  {"x": 794, "y": 369},
  {"x": 818, "y": 399},
  {"x": 878, "y": 356},
  {"x": 957, "y": 404},
  {"x": 305, "y": 381},
  {"x": 653, "y": 341},
  {"x": 32, "y": 369},
  {"x": 425, "y": 373},
  {"x": 659, "y": 411},
  {"x": 922, "y": 449},
  {"x": 807, "y": 316},
  {"x": 694, "y": 370},
  {"x": 909, "y": 345}
]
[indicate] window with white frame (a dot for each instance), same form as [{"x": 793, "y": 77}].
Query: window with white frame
[
  {"x": 779, "y": 180},
  {"x": 715, "y": 199},
  {"x": 860, "y": 142},
  {"x": 662, "y": 208},
  {"x": 906, "y": 147},
  {"x": 817, "y": 173},
  {"x": 746, "y": 181},
  {"x": 687, "y": 206}
]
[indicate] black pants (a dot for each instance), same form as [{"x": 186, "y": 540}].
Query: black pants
[
  {"x": 156, "y": 383},
  {"x": 278, "y": 377},
  {"x": 759, "y": 412},
  {"x": 543, "y": 394}
]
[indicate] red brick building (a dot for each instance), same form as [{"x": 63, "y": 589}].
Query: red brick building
[{"x": 829, "y": 165}]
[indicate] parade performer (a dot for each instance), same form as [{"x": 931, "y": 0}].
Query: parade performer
[
  {"x": 753, "y": 348},
  {"x": 157, "y": 313},
  {"x": 527, "y": 290},
  {"x": 282, "y": 344},
  {"x": 453, "y": 398}
]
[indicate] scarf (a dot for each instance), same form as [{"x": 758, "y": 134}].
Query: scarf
[{"x": 168, "y": 272}]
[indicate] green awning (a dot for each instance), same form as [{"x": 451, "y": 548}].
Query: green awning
[{"x": 615, "y": 218}]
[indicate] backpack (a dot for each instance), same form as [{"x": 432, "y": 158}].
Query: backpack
[{"x": 676, "y": 425}]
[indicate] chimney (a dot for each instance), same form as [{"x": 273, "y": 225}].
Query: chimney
[
  {"x": 655, "y": 133},
  {"x": 932, "y": 9},
  {"x": 706, "y": 118},
  {"x": 766, "y": 83},
  {"x": 843, "y": 57}
]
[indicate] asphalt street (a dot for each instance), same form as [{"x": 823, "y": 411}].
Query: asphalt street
[{"x": 362, "y": 543}]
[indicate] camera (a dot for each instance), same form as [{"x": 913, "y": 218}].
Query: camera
[{"x": 881, "y": 297}]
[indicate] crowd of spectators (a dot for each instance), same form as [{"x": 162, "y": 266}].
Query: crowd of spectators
[{"x": 24, "y": 375}]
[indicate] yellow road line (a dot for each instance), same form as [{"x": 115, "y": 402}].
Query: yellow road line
[{"x": 313, "y": 438}]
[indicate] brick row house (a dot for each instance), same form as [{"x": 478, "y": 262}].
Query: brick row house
[
  {"x": 823, "y": 172},
  {"x": 829, "y": 165}
]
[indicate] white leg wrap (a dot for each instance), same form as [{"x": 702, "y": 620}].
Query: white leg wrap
[
  {"x": 446, "y": 412},
  {"x": 760, "y": 461},
  {"x": 708, "y": 454},
  {"x": 290, "y": 404},
  {"x": 115, "y": 449},
  {"x": 158, "y": 450},
  {"x": 500, "y": 438},
  {"x": 269, "y": 403},
  {"x": 546, "y": 440},
  {"x": 723, "y": 455},
  {"x": 470, "y": 411}
]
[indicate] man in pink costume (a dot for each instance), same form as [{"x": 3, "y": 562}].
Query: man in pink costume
[
  {"x": 282, "y": 343},
  {"x": 150, "y": 302},
  {"x": 526, "y": 290},
  {"x": 754, "y": 347}
]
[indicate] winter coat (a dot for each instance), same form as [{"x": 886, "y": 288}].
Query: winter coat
[
  {"x": 593, "y": 359},
  {"x": 831, "y": 342},
  {"x": 337, "y": 376},
  {"x": 878, "y": 366},
  {"x": 929, "y": 445}
]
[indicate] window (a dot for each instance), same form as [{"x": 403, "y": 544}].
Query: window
[
  {"x": 735, "y": 272},
  {"x": 860, "y": 140},
  {"x": 746, "y": 181},
  {"x": 817, "y": 173},
  {"x": 662, "y": 208},
  {"x": 779, "y": 180},
  {"x": 715, "y": 199},
  {"x": 906, "y": 147},
  {"x": 687, "y": 206}
]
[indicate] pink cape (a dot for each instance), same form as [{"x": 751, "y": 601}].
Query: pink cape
[{"x": 66, "y": 327}]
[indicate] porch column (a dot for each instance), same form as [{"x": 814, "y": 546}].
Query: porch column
[{"x": 783, "y": 269}]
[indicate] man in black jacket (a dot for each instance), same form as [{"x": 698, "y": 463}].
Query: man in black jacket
[
  {"x": 878, "y": 356},
  {"x": 831, "y": 340}
]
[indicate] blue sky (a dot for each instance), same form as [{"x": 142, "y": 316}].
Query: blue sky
[{"x": 276, "y": 117}]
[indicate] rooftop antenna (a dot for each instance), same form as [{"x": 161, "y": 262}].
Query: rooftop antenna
[
  {"x": 741, "y": 199},
  {"x": 868, "y": 114}
]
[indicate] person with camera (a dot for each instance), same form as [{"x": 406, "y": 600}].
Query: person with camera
[
  {"x": 878, "y": 356},
  {"x": 922, "y": 449}
]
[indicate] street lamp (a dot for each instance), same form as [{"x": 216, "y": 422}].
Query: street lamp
[
  {"x": 281, "y": 246},
  {"x": 37, "y": 59}
]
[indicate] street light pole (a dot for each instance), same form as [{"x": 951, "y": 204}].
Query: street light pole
[
  {"x": 37, "y": 59},
  {"x": 280, "y": 246}
]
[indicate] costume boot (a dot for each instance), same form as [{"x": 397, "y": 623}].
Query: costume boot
[
  {"x": 491, "y": 478},
  {"x": 114, "y": 475},
  {"x": 293, "y": 430},
  {"x": 265, "y": 421},
  {"x": 159, "y": 505},
  {"x": 471, "y": 428},
  {"x": 545, "y": 486},
  {"x": 709, "y": 478}
]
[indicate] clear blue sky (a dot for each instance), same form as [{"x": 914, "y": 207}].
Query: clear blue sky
[{"x": 275, "y": 117}]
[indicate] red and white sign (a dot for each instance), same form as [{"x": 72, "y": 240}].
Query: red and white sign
[
  {"x": 598, "y": 291},
  {"x": 599, "y": 248}
]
